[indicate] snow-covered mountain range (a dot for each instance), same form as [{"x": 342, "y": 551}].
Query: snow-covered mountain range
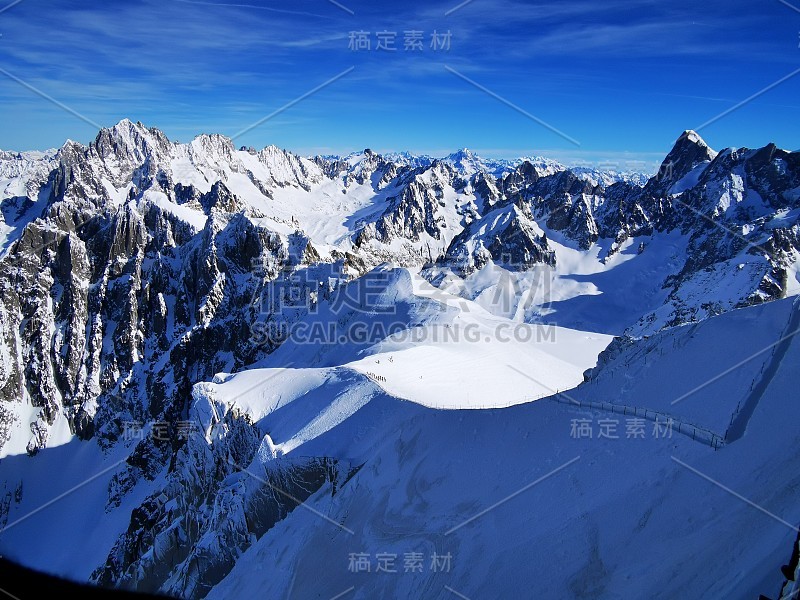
[{"x": 235, "y": 370}]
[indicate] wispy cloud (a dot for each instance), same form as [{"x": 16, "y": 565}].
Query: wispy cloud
[
  {"x": 651, "y": 66},
  {"x": 234, "y": 5}
]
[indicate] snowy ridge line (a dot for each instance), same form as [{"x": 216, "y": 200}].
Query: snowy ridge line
[
  {"x": 378, "y": 379},
  {"x": 474, "y": 406},
  {"x": 698, "y": 434}
]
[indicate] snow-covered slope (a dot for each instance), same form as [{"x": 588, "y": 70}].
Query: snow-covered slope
[
  {"x": 519, "y": 501},
  {"x": 427, "y": 346},
  {"x": 327, "y": 322},
  {"x": 384, "y": 477},
  {"x": 23, "y": 179}
]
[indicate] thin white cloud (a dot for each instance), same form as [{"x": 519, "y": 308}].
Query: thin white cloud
[{"x": 235, "y": 5}]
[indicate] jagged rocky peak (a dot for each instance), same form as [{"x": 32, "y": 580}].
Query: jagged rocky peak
[
  {"x": 221, "y": 198},
  {"x": 284, "y": 168},
  {"x": 212, "y": 148},
  {"x": 131, "y": 141},
  {"x": 127, "y": 152},
  {"x": 462, "y": 153},
  {"x": 365, "y": 166},
  {"x": 70, "y": 148},
  {"x": 507, "y": 236},
  {"x": 523, "y": 176},
  {"x": 272, "y": 152},
  {"x": 485, "y": 187},
  {"x": 689, "y": 151},
  {"x": 463, "y": 156},
  {"x": 468, "y": 164},
  {"x": 690, "y": 140},
  {"x": 775, "y": 174},
  {"x": 357, "y": 168}
]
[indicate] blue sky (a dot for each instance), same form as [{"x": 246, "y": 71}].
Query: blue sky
[{"x": 622, "y": 78}]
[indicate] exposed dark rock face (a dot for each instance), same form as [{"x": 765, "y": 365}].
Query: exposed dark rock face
[
  {"x": 129, "y": 283},
  {"x": 104, "y": 291},
  {"x": 507, "y": 237}
]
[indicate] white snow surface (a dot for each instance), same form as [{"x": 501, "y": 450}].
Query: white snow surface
[
  {"x": 518, "y": 501},
  {"x": 447, "y": 352},
  {"x": 488, "y": 486}
]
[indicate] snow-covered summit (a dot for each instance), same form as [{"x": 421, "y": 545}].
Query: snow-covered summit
[{"x": 337, "y": 325}]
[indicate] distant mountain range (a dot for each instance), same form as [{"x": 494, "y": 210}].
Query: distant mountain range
[{"x": 283, "y": 321}]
